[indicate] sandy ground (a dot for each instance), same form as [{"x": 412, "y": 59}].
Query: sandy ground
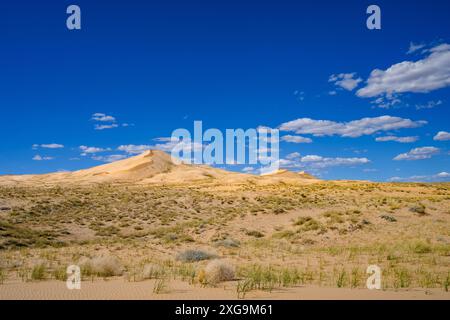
[{"x": 119, "y": 289}]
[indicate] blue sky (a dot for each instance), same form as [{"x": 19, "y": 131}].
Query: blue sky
[{"x": 155, "y": 66}]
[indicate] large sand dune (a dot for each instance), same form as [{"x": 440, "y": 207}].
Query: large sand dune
[{"x": 152, "y": 166}]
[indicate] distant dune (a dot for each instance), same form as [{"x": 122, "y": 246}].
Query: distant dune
[{"x": 154, "y": 166}]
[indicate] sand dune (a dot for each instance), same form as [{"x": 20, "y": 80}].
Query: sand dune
[{"x": 152, "y": 166}]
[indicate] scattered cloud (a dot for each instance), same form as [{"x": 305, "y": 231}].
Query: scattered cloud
[
  {"x": 40, "y": 158},
  {"x": 413, "y": 47},
  {"x": 89, "y": 150},
  {"x": 109, "y": 158},
  {"x": 296, "y": 139},
  {"x": 134, "y": 149},
  {"x": 442, "y": 176},
  {"x": 332, "y": 92},
  {"x": 425, "y": 75},
  {"x": 103, "y": 117},
  {"x": 352, "y": 129},
  {"x": 107, "y": 122},
  {"x": 387, "y": 102},
  {"x": 418, "y": 153},
  {"x": 48, "y": 146},
  {"x": 105, "y": 126},
  {"x": 293, "y": 155},
  {"x": 294, "y": 160},
  {"x": 442, "y": 136},
  {"x": 346, "y": 81},
  {"x": 429, "y": 105},
  {"x": 397, "y": 139},
  {"x": 299, "y": 95}
]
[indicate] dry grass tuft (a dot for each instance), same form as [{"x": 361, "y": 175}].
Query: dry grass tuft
[{"x": 218, "y": 271}]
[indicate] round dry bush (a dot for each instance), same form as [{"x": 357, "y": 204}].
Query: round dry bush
[
  {"x": 219, "y": 270},
  {"x": 103, "y": 266}
]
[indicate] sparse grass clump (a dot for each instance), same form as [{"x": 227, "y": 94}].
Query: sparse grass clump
[
  {"x": 38, "y": 272},
  {"x": 255, "y": 233},
  {"x": 153, "y": 271},
  {"x": 160, "y": 286},
  {"x": 228, "y": 243},
  {"x": 60, "y": 274},
  {"x": 103, "y": 266},
  {"x": 308, "y": 224},
  {"x": 194, "y": 255},
  {"x": 2, "y": 276},
  {"x": 421, "y": 247},
  {"x": 218, "y": 271}
]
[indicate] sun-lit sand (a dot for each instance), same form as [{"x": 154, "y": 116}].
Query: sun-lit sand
[{"x": 151, "y": 227}]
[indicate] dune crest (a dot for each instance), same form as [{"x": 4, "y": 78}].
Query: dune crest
[{"x": 154, "y": 166}]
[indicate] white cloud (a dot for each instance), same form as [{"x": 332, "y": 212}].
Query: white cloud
[
  {"x": 442, "y": 136},
  {"x": 418, "y": 153},
  {"x": 293, "y": 155},
  {"x": 413, "y": 47},
  {"x": 425, "y": 75},
  {"x": 107, "y": 122},
  {"x": 345, "y": 80},
  {"x": 85, "y": 150},
  {"x": 442, "y": 176},
  {"x": 134, "y": 149},
  {"x": 319, "y": 162},
  {"x": 110, "y": 158},
  {"x": 353, "y": 129},
  {"x": 48, "y": 146},
  {"x": 40, "y": 158},
  {"x": 386, "y": 102},
  {"x": 296, "y": 139},
  {"x": 429, "y": 105},
  {"x": 397, "y": 139},
  {"x": 105, "y": 126},
  {"x": 332, "y": 92},
  {"x": 248, "y": 169},
  {"x": 103, "y": 117}
]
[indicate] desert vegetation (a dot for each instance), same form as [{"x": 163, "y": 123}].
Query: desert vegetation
[{"x": 252, "y": 236}]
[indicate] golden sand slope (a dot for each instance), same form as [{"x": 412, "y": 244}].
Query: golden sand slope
[{"x": 152, "y": 166}]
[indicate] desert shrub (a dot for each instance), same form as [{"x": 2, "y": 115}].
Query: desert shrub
[
  {"x": 228, "y": 243},
  {"x": 217, "y": 271},
  {"x": 255, "y": 233},
  {"x": 103, "y": 266},
  {"x": 194, "y": 255},
  {"x": 38, "y": 272},
  {"x": 388, "y": 218},
  {"x": 421, "y": 247},
  {"x": 308, "y": 224},
  {"x": 419, "y": 208}
]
